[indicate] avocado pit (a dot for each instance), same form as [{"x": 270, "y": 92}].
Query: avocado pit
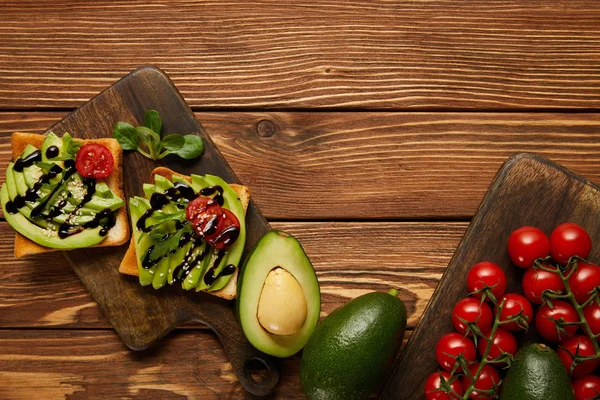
[{"x": 282, "y": 308}]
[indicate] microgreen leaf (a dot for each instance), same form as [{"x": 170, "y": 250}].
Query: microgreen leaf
[
  {"x": 193, "y": 147},
  {"x": 126, "y": 135},
  {"x": 168, "y": 244},
  {"x": 173, "y": 142},
  {"x": 153, "y": 121}
]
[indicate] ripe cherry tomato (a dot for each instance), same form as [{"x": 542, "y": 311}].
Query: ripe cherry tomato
[
  {"x": 586, "y": 388},
  {"x": 94, "y": 161},
  {"x": 578, "y": 345},
  {"x": 526, "y": 244},
  {"x": 546, "y": 317},
  {"x": 592, "y": 316},
  {"x": 487, "y": 379},
  {"x": 450, "y": 346},
  {"x": 535, "y": 281},
  {"x": 487, "y": 274},
  {"x": 568, "y": 240},
  {"x": 503, "y": 342},
  {"x": 584, "y": 280},
  {"x": 218, "y": 226},
  {"x": 514, "y": 304},
  {"x": 433, "y": 383},
  {"x": 471, "y": 310},
  {"x": 227, "y": 232}
]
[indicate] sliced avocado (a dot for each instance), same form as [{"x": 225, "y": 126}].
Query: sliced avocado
[
  {"x": 197, "y": 272},
  {"x": 51, "y": 140},
  {"x": 21, "y": 224},
  {"x": 348, "y": 353},
  {"x": 536, "y": 373},
  {"x": 10, "y": 181},
  {"x": 137, "y": 207},
  {"x": 161, "y": 273},
  {"x": 20, "y": 182},
  {"x": 103, "y": 190},
  {"x": 278, "y": 253},
  {"x": 162, "y": 183},
  {"x": 199, "y": 183},
  {"x": 177, "y": 259},
  {"x": 149, "y": 189}
]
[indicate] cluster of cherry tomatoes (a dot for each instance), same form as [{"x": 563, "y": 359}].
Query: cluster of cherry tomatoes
[{"x": 558, "y": 280}]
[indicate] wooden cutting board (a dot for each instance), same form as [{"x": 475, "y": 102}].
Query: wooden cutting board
[
  {"x": 528, "y": 190},
  {"x": 140, "y": 315}
]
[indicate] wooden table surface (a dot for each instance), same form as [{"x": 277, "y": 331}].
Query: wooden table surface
[{"x": 369, "y": 130}]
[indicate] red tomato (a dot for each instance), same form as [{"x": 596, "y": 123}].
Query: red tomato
[
  {"x": 584, "y": 280},
  {"x": 450, "y": 346},
  {"x": 568, "y": 240},
  {"x": 486, "y": 274},
  {"x": 503, "y": 342},
  {"x": 527, "y": 244},
  {"x": 228, "y": 231},
  {"x": 578, "y": 345},
  {"x": 487, "y": 379},
  {"x": 513, "y": 305},
  {"x": 592, "y": 316},
  {"x": 535, "y": 281},
  {"x": 586, "y": 388},
  {"x": 546, "y": 317},
  {"x": 94, "y": 161},
  {"x": 434, "y": 382},
  {"x": 474, "y": 311},
  {"x": 218, "y": 226}
]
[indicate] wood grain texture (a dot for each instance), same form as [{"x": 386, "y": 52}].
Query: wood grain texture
[
  {"x": 528, "y": 190},
  {"x": 44, "y": 292},
  {"x": 189, "y": 365},
  {"x": 411, "y": 165},
  {"x": 506, "y": 54}
]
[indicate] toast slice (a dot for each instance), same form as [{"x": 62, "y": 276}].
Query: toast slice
[
  {"x": 129, "y": 265},
  {"x": 117, "y": 235}
]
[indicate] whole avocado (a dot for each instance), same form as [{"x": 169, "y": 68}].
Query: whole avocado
[
  {"x": 347, "y": 354},
  {"x": 536, "y": 373}
]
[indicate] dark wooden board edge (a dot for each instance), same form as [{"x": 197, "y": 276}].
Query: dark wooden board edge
[
  {"x": 411, "y": 350},
  {"x": 220, "y": 316}
]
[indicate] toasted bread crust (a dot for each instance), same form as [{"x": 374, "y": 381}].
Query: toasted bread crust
[
  {"x": 117, "y": 235},
  {"x": 129, "y": 265}
]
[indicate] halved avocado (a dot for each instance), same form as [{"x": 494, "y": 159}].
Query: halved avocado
[{"x": 277, "y": 285}]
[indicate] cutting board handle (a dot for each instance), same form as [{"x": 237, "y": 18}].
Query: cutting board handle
[{"x": 247, "y": 362}]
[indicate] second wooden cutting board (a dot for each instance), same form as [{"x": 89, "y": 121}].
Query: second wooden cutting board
[{"x": 140, "y": 315}]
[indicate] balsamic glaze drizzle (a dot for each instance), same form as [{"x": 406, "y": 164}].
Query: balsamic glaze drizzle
[{"x": 105, "y": 218}]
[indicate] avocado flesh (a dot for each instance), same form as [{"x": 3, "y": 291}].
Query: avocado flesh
[
  {"x": 536, "y": 373},
  {"x": 21, "y": 224},
  {"x": 195, "y": 278},
  {"x": 276, "y": 249},
  {"x": 18, "y": 183}
]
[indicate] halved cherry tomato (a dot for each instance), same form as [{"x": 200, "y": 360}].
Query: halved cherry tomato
[
  {"x": 546, "y": 317},
  {"x": 526, "y": 244},
  {"x": 227, "y": 232},
  {"x": 487, "y": 379},
  {"x": 434, "y": 382},
  {"x": 513, "y": 305},
  {"x": 94, "y": 161},
  {"x": 486, "y": 274},
  {"x": 586, "y": 388},
  {"x": 503, "y": 342},
  {"x": 474, "y": 311},
  {"x": 450, "y": 346},
  {"x": 217, "y": 225},
  {"x": 584, "y": 280},
  {"x": 568, "y": 240},
  {"x": 578, "y": 345},
  {"x": 535, "y": 281}
]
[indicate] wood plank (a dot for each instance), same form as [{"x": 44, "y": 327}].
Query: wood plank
[
  {"x": 411, "y": 165},
  {"x": 188, "y": 365},
  {"x": 350, "y": 259},
  {"x": 505, "y": 54}
]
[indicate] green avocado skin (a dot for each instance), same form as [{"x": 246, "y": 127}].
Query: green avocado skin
[
  {"x": 536, "y": 374},
  {"x": 347, "y": 355}
]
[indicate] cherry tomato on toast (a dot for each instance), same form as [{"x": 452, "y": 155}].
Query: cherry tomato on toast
[{"x": 94, "y": 161}]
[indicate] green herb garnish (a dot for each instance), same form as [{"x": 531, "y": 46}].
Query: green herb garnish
[
  {"x": 168, "y": 243},
  {"x": 146, "y": 139},
  {"x": 70, "y": 146}
]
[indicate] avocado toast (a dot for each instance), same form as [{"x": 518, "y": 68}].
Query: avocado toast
[
  {"x": 190, "y": 261},
  {"x": 69, "y": 211}
]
